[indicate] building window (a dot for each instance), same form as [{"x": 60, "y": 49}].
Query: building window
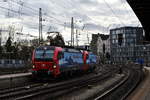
[
  {"x": 113, "y": 41},
  {"x": 120, "y": 38}
]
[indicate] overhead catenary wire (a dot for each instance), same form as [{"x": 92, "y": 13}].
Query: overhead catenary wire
[
  {"x": 84, "y": 24},
  {"x": 36, "y": 10},
  {"x": 113, "y": 12},
  {"x": 31, "y": 8},
  {"x": 20, "y": 12},
  {"x": 129, "y": 13},
  {"x": 122, "y": 1},
  {"x": 55, "y": 19},
  {"x": 14, "y": 4},
  {"x": 58, "y": 22},
  {"x": 14, "y": 11},
  {"x": 51, "y": 16},
  {"x": 123, "y": 4},
  {"x": 48, "y": 16}
]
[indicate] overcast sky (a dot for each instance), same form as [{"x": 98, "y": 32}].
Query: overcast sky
[{"x": 96, "y": 16}]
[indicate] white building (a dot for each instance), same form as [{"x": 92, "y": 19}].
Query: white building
[{"x": 103, "y": 45}]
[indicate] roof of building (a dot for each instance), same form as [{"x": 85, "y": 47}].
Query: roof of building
[
  {"x": 104, "y": 37},
  {"x": 95, "y": 37},
  {"x": 126, "y": 27},
  {"x": 142, "y": 10}
]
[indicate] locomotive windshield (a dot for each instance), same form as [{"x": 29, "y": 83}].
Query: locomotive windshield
[{"x": 44, "y": 55}]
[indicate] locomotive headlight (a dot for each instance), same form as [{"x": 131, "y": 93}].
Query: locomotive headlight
[
  {"x": 54, "y": 66},
  {"x": 33, "y": 66}
]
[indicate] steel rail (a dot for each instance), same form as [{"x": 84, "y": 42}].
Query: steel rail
[
  {"x": 35, "y": 91},
  {"x": 113, "y": 88},
  {"x": 65, "y": 87},
  {"x": 131, "y": 74}
]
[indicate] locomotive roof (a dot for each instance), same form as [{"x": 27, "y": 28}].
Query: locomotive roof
[
  {"x": 71, "y": 50},
  {"x": 65, "y": 48},
  {"x": 77, "y": 48},
  {"x": 43, "y": 47}
]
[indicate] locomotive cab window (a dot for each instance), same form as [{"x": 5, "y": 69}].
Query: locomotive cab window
[{"x": 44, "y": 55}]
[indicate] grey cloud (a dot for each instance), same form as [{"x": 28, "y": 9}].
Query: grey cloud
[
  {"x": 123, "y": 1},
  {"x": 92, "y": 27},
  {"x": 88, "y": 2},
  {"x": 63, "y": 10}
]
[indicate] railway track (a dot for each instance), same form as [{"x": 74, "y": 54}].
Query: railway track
[
  {"x": 121, "y": 90},
  {"x": 54, "y": 90}
]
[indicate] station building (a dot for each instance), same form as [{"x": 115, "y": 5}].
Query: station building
[
  {"x": 126, "y": 44},
  {"x": 100, "y": 45}
]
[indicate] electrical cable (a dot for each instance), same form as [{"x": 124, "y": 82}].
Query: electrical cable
[
  {"x": 113, "y": 12},
  {"x": 35, "y": 10},
  {"x": 13, "y": 10}
]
